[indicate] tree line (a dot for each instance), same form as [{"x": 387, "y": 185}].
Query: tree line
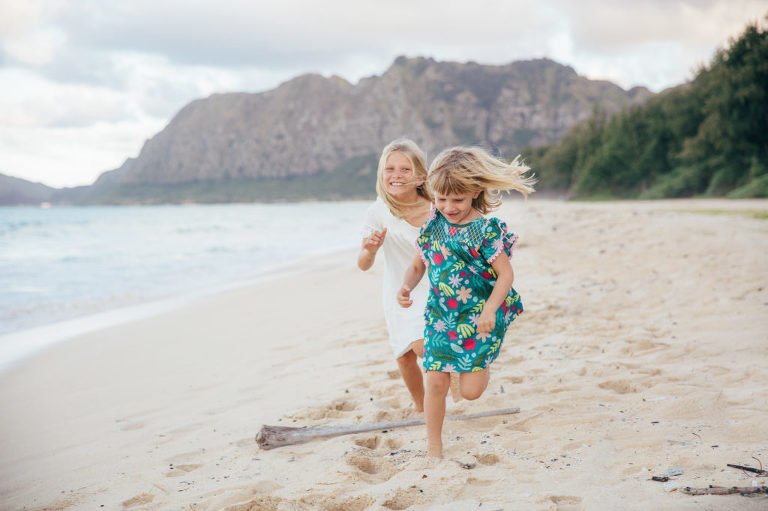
[{"x": 708, "y": 137}]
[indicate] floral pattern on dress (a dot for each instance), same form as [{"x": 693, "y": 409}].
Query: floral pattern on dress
[{"x": 458, "y": 260}]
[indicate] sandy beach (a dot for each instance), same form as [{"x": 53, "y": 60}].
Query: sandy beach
[{"x": 643, "y": 348}]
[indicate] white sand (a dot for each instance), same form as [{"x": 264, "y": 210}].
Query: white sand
[{"x": 644, "y": 346}]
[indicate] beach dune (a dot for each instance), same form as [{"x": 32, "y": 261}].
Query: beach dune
[{"x": 643, "y": 348}]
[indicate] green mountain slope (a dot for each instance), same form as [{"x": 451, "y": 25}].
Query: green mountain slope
[{"x": 706, "y": 138}]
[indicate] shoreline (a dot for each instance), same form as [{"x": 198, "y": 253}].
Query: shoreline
[
  {"x": 76, "y": 263},
  {"x": 156, "y": 386},
  {"x": 17, "y": 346},
  {"x": 642, "y": 349}
]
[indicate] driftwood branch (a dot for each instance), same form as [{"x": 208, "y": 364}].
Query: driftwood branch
[
  {"x": 749, "y": 469},
  {"x": 277, "y": 436},
  {"x": 716, "y": 490}
]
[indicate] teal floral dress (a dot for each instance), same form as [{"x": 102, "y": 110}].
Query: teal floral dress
[{"x": 458, "y": 260}]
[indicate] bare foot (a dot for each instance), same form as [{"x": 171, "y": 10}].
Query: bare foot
[
  {"x": 419, "y": 404},
  {"x": 435, "y": 450}
]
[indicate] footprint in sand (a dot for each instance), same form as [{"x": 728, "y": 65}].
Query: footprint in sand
[
  {"x": 243, "y": 498},
  {"x": 343, "y": 405},
  {"x": 393, "y": 443},
  {"x": 393, "y": 403},
  {"x": 363, "y": 463},
  {"x": 138, "y": 500},
  {"x": 371, "y": 463},
  {"x": 369, "y": 442},
  {"x": 335, "y": 503},
  {"x": 488, "y": 459},
  {"x": 358, "y": 503},
  {"x": 387, "y": 416},
  {"x": 473, "y": 481},
  {"x": 619, "y": 386},
  {"x": 336, "y": 409},
  {"x": 402, "y": 499},
  {"x": 567, "y": 503},
  {"x": 264, "y": 503},
  {"x": 383, "y": 391}
]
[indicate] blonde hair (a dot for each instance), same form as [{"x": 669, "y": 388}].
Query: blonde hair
[
  {"x": 471, "y": 169},
  {"x": 410, "y": 150}
]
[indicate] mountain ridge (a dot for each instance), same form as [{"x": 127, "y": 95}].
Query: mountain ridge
[{"x": 312, "y": 125}]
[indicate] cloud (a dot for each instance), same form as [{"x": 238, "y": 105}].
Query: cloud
[
  {"x": 298, "y": 34},
  {"x": 618, "y": 26},
  {"x": 232, "y": 34},
  {"x": 70, "y": 155},
  {"x": 66, "y": 134},
  {"x": 110, "y": 68},
  {"x": 79, "y": 40},
  {"x": 657, "y": 43},
  {"x": 71, "y": 39},
  {"x": 18, "y": 16}
]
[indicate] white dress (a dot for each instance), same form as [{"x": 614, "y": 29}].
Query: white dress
[{"x": 404, "y": 325}]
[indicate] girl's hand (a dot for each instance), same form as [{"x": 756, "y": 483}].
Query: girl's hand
[
  {"x": 373, "y": 242},
  {"x": 486, "y": 321},
  {"x": 404, "y": 297}
]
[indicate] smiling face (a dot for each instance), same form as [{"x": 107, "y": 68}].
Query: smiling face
[
  {"x": 399, "y": 178},
  {"x": 457, "y": 207}
]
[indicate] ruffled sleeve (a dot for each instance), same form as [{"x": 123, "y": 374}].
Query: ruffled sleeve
[
  {"x": 422, "y": 241},
  {"x": 497, "y": 240}
]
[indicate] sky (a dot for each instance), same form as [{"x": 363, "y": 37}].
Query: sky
[{"x": 84, "y": 83}]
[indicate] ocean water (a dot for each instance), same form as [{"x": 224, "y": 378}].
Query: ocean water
[{"x": 67, "y": 270}]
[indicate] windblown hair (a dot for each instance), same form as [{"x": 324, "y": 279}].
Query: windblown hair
[
  {"x": 472, "y": 169},
  {"x": 410, "y": 150}
]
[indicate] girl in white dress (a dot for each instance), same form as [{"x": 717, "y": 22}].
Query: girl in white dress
[{"x": 392, "y": 224}]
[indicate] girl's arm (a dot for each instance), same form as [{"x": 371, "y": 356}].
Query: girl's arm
[
  {"x": 505, "y": 277},
  {"x": 371, "y": 245},
  {"x": 413, "y": 275}
]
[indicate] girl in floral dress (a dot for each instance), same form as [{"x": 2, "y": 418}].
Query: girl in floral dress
[
  {"x": 392, "y": 225},
  {"x": 471, "y": 300}
]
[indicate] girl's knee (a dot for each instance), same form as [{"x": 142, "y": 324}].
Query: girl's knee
[
  {"x": 471, "y": 394},
  {"x": 417, "y": 348},
  {"x": 437, "y": 383},
  {"x": 474, "y": 384},
  {"x": 406, "y": 358}
]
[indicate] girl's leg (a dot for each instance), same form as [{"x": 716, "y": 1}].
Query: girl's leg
[
  {"x": 434, "y": 406},
  {"x": 418, "y": 348},
  {"x": 474, "y": 384},
  {"x": 409, "y": 368},
  {"x": 456, "y": 387}
]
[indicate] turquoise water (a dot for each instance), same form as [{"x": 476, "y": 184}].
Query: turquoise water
[{"x": 64, "y": 265}]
